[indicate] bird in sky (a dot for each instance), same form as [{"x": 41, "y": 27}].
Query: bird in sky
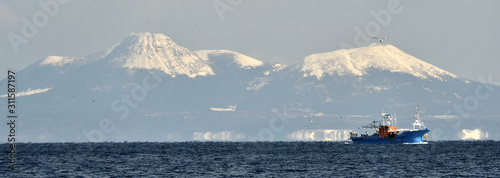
[{"x": 381, "y": 39}]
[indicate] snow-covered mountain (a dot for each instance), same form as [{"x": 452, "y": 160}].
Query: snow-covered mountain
[
  {"x": 157, "y": 51},
  {"x": 148, "y": 88},
  {"x": 357, "y": 61}
]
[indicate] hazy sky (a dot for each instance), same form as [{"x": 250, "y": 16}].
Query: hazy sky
[{"x": 462, "y": 37}]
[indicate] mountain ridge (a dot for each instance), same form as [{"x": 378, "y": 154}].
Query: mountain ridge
[
  {"x": 244, "y": 61},
  {"x": 157, "y": 51}
]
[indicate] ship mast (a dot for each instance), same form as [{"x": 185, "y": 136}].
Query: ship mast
[{"x": 418, "y": 123}]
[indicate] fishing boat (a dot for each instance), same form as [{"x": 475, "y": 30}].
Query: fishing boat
[{"x": 386, "y": 132}]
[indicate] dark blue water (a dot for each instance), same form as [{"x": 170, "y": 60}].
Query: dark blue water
[{"x": 208, "y": 159}]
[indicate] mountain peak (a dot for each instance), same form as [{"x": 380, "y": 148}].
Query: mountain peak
[
  {"x": 157, "y": 51},
  {"x": 151, "y": 40},
  {"x": 357, "y": 61}
]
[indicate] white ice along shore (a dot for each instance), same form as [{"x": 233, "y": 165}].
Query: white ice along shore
[
  {"x": 218, "y": 136},
  {"x": 229, "y": 108},
  {"x": 476, "y": 134},
  {"x": 320, "y": 135}
]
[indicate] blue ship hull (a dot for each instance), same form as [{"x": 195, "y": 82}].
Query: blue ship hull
[{"x": 406, "y": 137}]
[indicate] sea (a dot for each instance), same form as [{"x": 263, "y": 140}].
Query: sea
[{"x": 253, "y": 159}]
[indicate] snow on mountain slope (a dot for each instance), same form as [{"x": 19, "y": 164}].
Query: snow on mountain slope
[
  {"x": 358, "y": 60},
  {"x": 157, "y": 51},
  {"x": 59, "y": 61},
  {"x": 30, "y": 92},
  {"x": 66, "y": 63},
  {"x": 242, "y": 60}
]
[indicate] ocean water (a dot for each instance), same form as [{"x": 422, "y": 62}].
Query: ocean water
[{"x": 248, "y": 159}]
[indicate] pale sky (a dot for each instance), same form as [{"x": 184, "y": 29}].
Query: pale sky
[{"x": 462, "y": 37}]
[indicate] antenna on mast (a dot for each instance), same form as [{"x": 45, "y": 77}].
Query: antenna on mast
[
  {"x": 395, "y": 118},
  {"x": 416, "y": 110}
]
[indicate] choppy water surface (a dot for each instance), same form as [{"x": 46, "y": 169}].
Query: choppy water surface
[{"x": 447, "y": 158}]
